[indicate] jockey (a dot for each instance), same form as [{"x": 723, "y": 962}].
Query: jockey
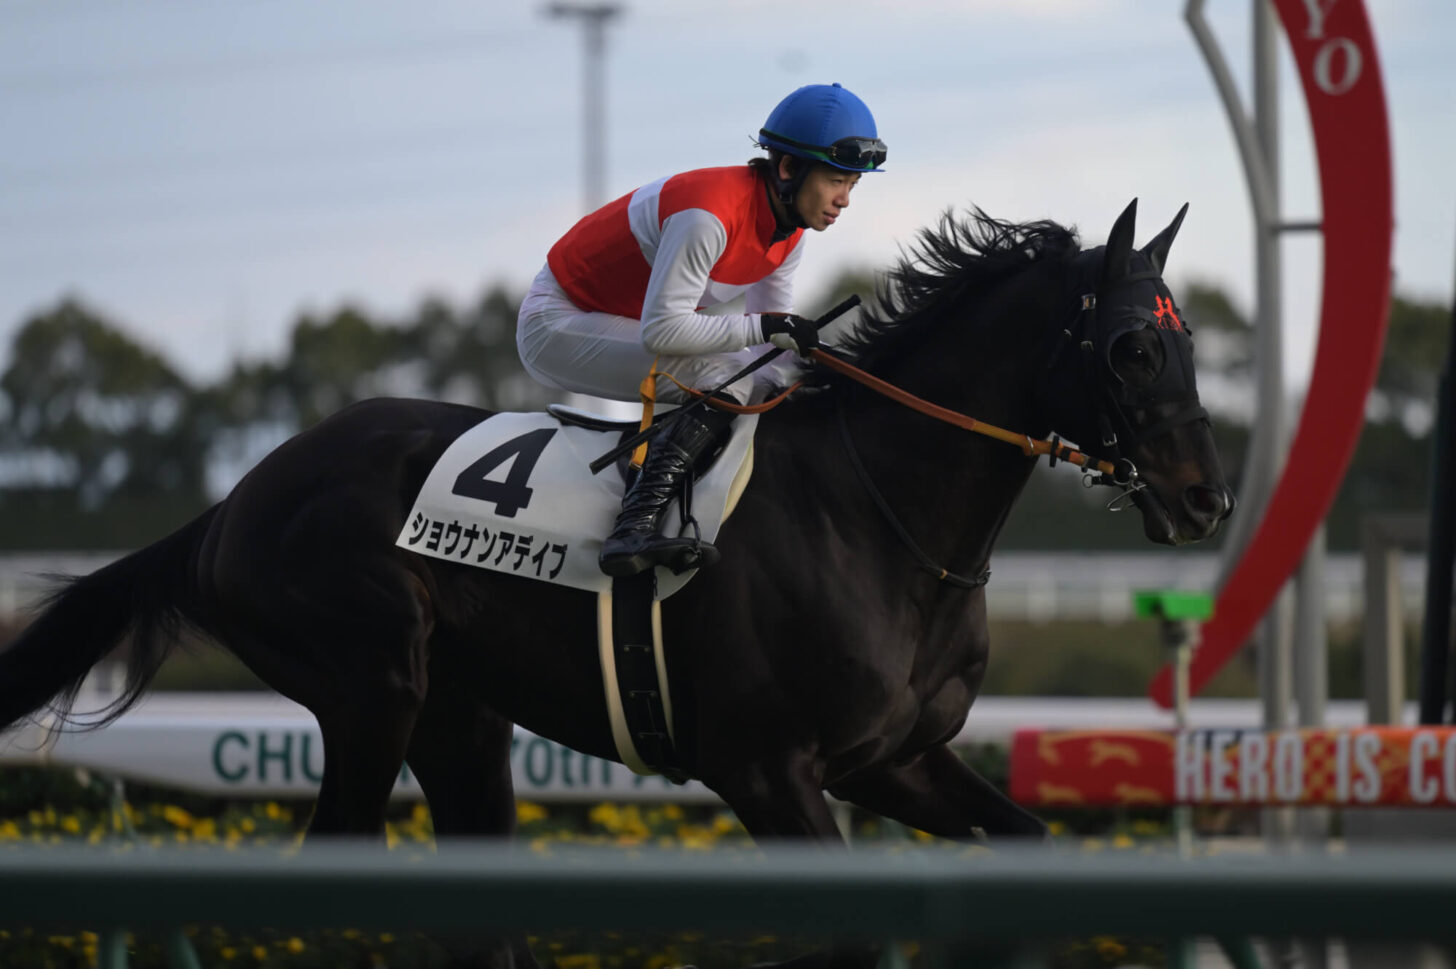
[{"x": 622, "y": 290}]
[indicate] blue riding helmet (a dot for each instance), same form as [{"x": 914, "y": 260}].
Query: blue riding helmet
[{"x": 825, "y": 123}]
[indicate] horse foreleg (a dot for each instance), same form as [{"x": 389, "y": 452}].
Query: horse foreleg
[
  {"x": 778, "y": 799},
  {"x": 785, "y": 800},
  {"x": 939, "y": 793}
]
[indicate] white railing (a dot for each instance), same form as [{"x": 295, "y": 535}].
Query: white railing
[
  {"x": 1032, "y": 586},
  {"x": 263, "y": 745}
]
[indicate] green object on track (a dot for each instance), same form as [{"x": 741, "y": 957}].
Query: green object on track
[{"x": 1172, "y": 604}]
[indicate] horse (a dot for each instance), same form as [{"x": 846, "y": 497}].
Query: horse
[{"x": 837, "y": 647}]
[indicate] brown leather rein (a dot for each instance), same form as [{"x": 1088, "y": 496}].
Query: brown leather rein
[{"x": 1029, "y": 446}]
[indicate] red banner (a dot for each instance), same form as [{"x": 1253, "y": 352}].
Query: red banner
[
  {"x": 1335, "y": 53},
  {"x": 1389, "y": 766}
]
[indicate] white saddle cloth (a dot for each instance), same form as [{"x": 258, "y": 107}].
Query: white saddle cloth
[{"x": 514, "y": 494}]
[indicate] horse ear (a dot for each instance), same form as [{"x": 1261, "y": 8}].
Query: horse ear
[
  {"x": 1119, "y": 245},
  {"x": 1157, "y": 249}
]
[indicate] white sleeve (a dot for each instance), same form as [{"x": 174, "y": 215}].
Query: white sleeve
[
  {"x": 774, "y": 293},
  {"x": 692, "y": 240}
]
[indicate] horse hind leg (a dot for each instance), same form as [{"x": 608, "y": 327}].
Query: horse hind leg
[
  {"x": 460, "y": 752},
  {"x": 369, "y": 715}
]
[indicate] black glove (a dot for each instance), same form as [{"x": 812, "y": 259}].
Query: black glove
[{"x": 789, "y": 331}]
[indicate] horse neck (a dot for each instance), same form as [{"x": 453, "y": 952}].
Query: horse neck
[{"x": 953, "y": 489}]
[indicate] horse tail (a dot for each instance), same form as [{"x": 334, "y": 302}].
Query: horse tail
[{"x": 146, "y": 598}]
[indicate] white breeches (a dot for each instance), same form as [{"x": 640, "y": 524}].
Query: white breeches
[{"x": 564, "y": 346}]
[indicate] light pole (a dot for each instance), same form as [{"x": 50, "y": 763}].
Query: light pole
[{"x": 593, "y": 18}]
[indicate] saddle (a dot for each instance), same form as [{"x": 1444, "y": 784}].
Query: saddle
[{"x": 576, "y": 417}]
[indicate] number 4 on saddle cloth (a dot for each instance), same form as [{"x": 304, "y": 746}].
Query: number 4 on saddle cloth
[{"x": 513, "y": 494}]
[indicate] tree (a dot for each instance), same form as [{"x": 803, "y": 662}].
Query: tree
[
  {"x": 94, "y": 422},
  {"x": 1415, "y": 345},
  {"x": 471, "y": 359}
]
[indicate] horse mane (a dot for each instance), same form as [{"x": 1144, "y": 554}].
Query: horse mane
[{"x": 953, "y": 263}]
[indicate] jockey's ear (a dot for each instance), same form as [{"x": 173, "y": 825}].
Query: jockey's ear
[{"x": 787, "y": 165}]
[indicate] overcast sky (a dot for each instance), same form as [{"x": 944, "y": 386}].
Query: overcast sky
[{"x": 202, "y": 171}]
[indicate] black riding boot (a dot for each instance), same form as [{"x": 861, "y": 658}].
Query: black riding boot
[{"x": 634, "y": 545}]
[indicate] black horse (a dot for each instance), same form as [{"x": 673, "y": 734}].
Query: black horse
[{"x": 818, "y": 656}]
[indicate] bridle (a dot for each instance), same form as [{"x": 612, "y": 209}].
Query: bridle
[{"x": 1112, "y": 399}]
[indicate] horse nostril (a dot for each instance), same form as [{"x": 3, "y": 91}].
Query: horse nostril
[{"x": 1211, "y": 504}]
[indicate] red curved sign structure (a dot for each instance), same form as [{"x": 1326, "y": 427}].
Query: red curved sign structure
[{"x": 1335, "y": 53}]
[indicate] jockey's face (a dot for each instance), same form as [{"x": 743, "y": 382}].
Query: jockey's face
[{"x": 824, "y": 194}]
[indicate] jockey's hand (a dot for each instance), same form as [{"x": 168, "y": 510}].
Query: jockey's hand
[{"x": 789, "y": 331}]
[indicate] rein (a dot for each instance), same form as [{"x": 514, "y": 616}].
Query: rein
[
  {"x": 1029, "y": 446},
  {"x": 926, "y": 563}
]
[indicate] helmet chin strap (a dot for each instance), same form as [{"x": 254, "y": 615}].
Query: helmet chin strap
[{"x": 787, "y": 189}]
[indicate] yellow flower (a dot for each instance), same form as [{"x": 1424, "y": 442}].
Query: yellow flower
[
  {"x": 71, "y": 824},
  {"x": 178, "y": 817},
  {"x": 9, "y": 830},
  {"x": 385, "y": 938},
  {"x": 1122, "y": 841},
  {"x": 228, "y": 953},
  {"x": 90, "y": 938},
  {"x": 606, "y": 815},
  {"x": 247, "y": 825},
  {"x": 673, "y": 812},
  {"x": 580, "y": 961},
  {"x": 528, "y": 811},
  {"x": 294, "y": 945},
  {"x": 420, "y": 813},
  {"x": 1109, "y": 948},
  {"x": 260, "y": 953}
]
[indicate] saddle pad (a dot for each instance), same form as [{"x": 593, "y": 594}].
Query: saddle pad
[{"x": 513, "y": 494}]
